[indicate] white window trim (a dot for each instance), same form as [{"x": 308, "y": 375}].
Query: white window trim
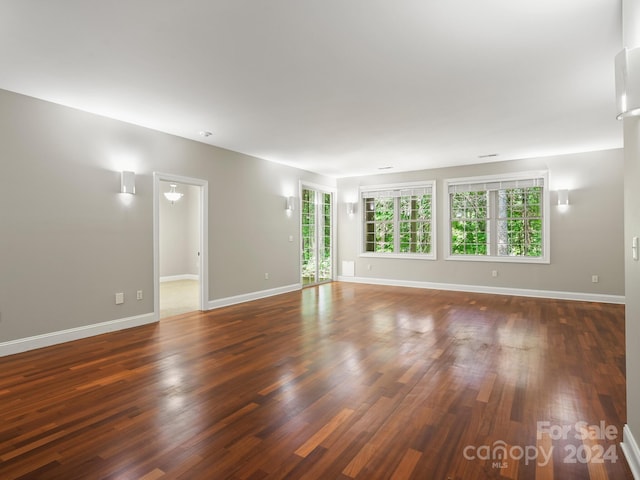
[
  {"x": 395, "y": 186},
  {"x": 546, "y": 218}
]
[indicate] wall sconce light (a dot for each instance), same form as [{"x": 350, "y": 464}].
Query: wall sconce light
[
  {"x": 289, "y": 205},
  {"x": 563, "y": 197},
  {"x": 351, "y": 208},
  {"x": 627, "y": 64},
  {"x": 128, "y": 183},
  {"x": 172, "y": 195}
]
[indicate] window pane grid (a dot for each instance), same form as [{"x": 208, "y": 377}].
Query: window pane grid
[
  {"x": 469, "y": 221},
  {"x": 324, "y": 267},
  {"x": 317, "y": 229},
  {"x": 520, "y": 222},
  {"x": 398, "y": 221},
  {"x": 501, "y": 218},
  {"x": 415, "y": 237},
  {"x": 308, "y": 234}
]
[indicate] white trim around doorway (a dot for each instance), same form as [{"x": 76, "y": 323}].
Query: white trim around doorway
[
  {"x": 334, "y": 223},
  {"x": 204, "y": 236}
]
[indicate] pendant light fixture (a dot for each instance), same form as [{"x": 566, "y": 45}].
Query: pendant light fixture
[{"x": 172, "y": 195}]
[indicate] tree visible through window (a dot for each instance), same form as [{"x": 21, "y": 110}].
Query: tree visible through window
[
  {"x": 520, "y": 222},
  {"x": 497, "y": 218},
  {"x": 415, "y": 224},
  {"x": 469, "y": 218},
  {"x": 398, "y": 221},
  {"x": 316, "y": 219},
  {"x": 379, "y": 214}
]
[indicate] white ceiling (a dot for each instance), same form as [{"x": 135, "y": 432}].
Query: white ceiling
[{"x": 339, "y": 87}]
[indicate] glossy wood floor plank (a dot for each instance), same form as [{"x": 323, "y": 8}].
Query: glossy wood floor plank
[{"x": 339, "y": 381}]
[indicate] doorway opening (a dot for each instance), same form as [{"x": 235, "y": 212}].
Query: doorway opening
[
  {"x": 317, "y": 214},
  {"x": 180, "y": 245}
]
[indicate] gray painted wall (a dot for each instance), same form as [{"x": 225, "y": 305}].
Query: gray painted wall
[
  {"x": 179, "y": 231},
  {"x": 586, "y": 239},
  {"x": 69, "y": 240}
]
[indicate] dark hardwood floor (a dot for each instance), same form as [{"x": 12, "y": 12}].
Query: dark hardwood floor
[{"x": 339, "y": 381}]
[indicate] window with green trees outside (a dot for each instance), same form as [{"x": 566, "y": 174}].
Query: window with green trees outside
[
  {"x": 498, "y": 218},
  {"x": 317, "y": 235},
  {"x": 398, "y": 221}
]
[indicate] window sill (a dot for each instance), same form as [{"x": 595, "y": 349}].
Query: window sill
[
  {"x": 495, "y": 259},
  {"x": 405, "y": 256}
]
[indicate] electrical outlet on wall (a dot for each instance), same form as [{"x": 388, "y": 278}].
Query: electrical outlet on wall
[
  {"x": 139, "y": 294},
  {"x": 119, "y": 298}
]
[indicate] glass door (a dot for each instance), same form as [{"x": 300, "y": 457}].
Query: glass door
[{"x": 317, "y": 236}]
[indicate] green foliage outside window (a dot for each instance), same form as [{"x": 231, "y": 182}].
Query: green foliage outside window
[
  {"x": 316, "y": 236},
  {"x": 379, "y": 224},
  {"x": 469, "y": 215},
  {"x": 411, "y": 223},
  {"x": 415, "y": 224},
  {"x": 518, "y": 222},
  {"x": 308, "y": 206},
  {"x": 324, "y": 267}
]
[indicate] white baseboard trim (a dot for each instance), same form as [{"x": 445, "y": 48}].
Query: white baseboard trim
[
  {"x": 47, "y": 339},
  {"x": 173, "y": 278},
  {"x": 247, "y": 297},
  {"x": 519, "y": 292},
  {"x": 631, "y": 452}
]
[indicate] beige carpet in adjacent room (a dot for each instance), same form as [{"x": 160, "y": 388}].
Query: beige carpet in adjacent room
[{"x": 179, "y": 296}]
